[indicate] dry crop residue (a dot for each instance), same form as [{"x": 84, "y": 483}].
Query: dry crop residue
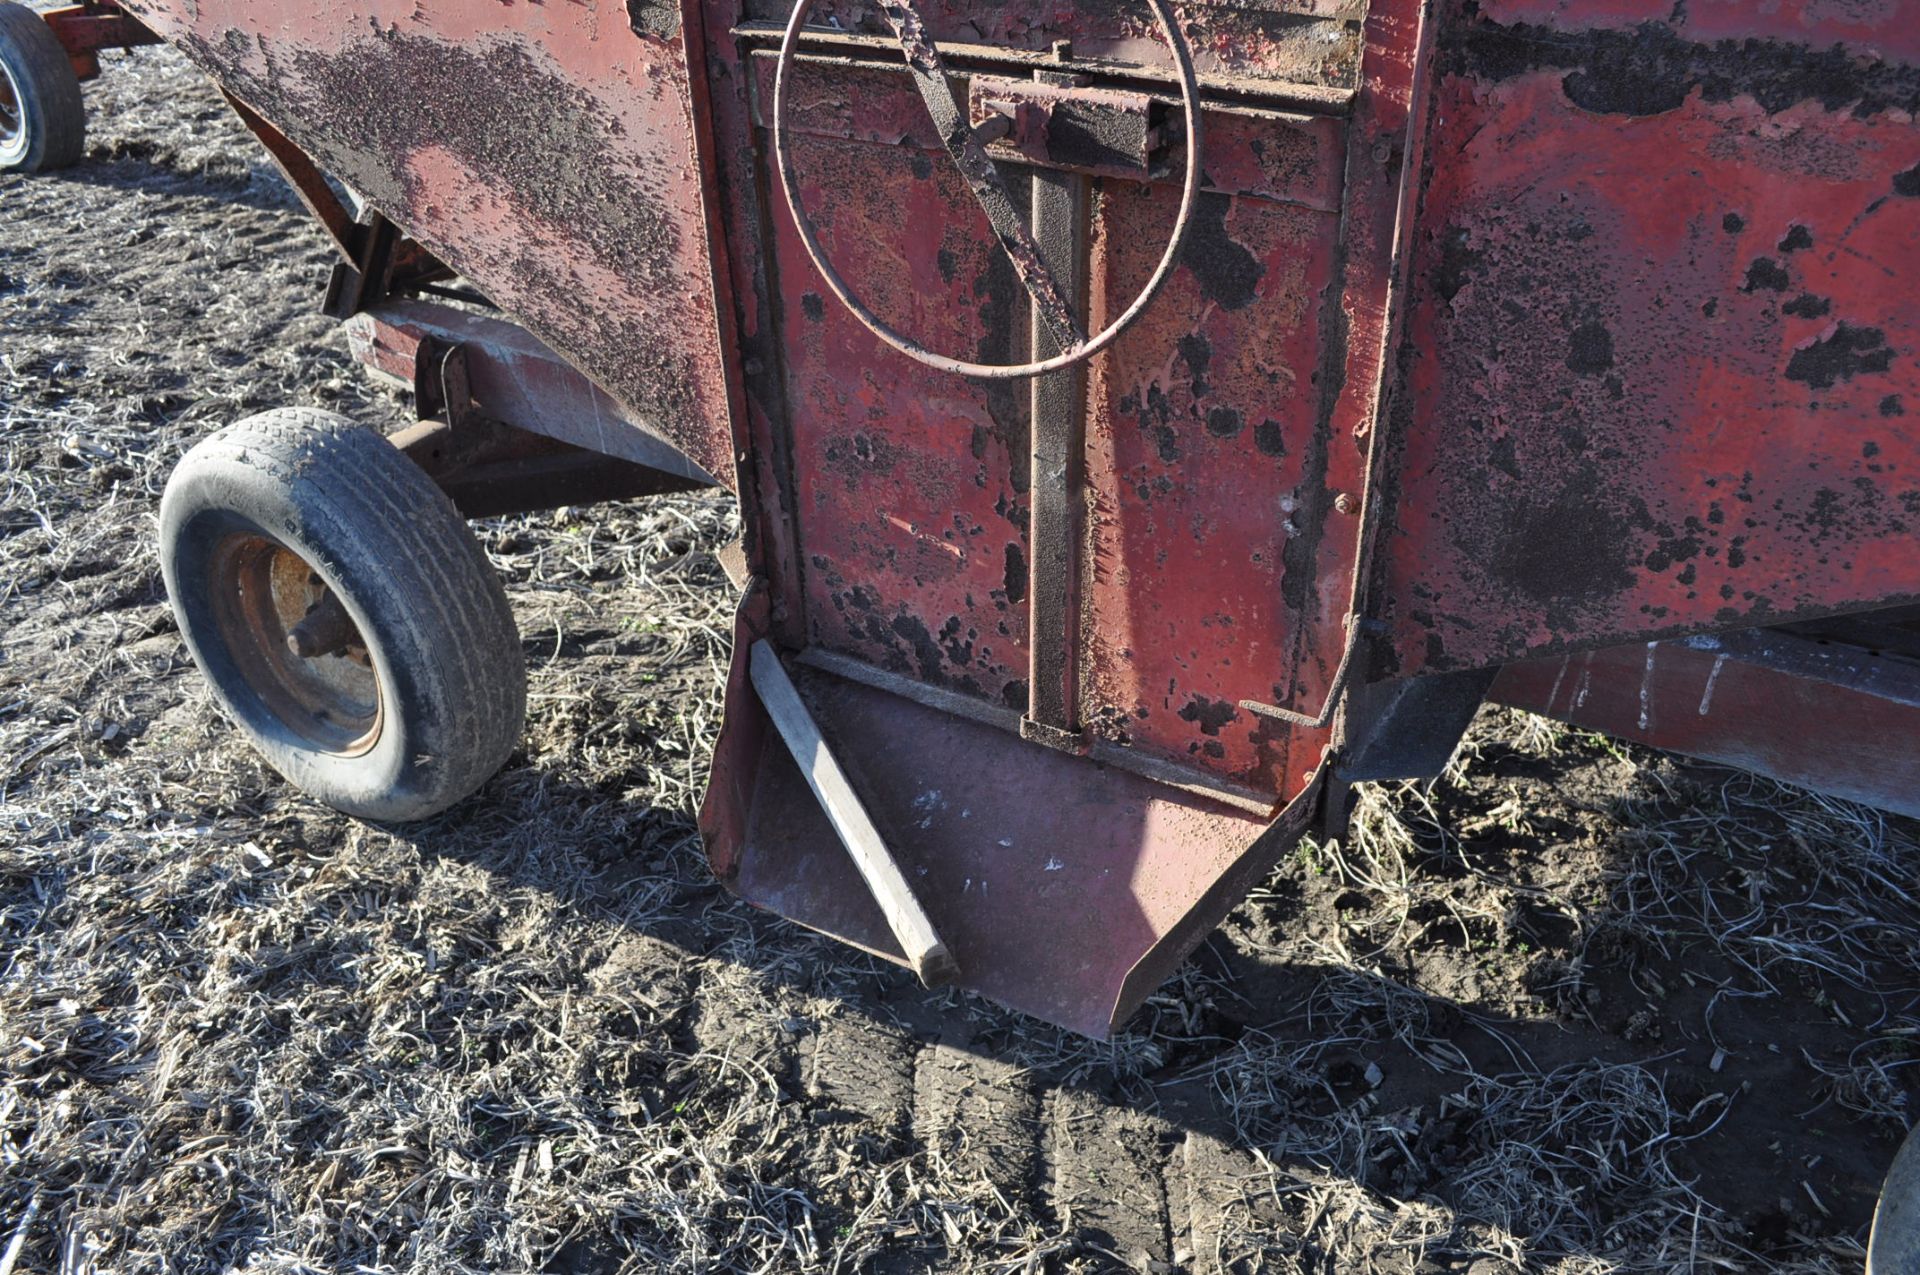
[{"x": 1573, "y": 1008}]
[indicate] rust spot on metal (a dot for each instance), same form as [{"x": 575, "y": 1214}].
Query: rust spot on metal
[
  {"x": 1590, "y": 351},
  {"x": 1545, "y": 542},
  {"x": 1209, "y": 715},
  {"x": 1765, "y": 274},
  {"x": 1227, "y": 272},
  {"x": 1016, "y": 577},
  {"x": 1224, "y": 422}
]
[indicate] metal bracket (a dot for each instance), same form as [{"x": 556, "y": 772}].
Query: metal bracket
[
  {"x": 442, "y": 388},
  {"x": 85, "y": 30},
  {"x": 1062, "y": 123},
  {"x": 489, "y": 468},
  {"x": 353, "y": 288}
]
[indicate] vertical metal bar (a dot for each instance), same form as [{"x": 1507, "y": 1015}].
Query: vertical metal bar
[{"x": 1054, "y": 459}]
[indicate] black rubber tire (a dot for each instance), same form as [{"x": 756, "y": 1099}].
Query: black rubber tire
[
  {"x": 52, "y": 126},
  {"x": 439, "y": 634}
]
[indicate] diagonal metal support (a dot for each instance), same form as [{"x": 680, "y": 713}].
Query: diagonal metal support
[
  {"x": 905, "y": 917},
  {"x": 1051, "y": 304}
]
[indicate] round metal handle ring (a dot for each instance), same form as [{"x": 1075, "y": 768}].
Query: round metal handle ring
[{"x": 1189, "y": 196}]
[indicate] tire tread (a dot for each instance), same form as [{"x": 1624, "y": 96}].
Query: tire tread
[{"x": 373, "y": 498}]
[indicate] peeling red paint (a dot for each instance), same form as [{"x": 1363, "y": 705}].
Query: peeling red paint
[
  {"x": 547, "y": 150},
  {"x": 1648, "y": 353}
]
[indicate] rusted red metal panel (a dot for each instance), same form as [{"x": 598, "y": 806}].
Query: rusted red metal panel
[
  {"x": 1661, "y": 374},
  {"x": 548, "y": 151},
  {"x": 908, "y": 484},
  {"x": 1217, "y": 550},
  {"x": 1211, "y": 476},
  {"x": 1833, "y": 716},
  {"x": 1225, "y": 459}
]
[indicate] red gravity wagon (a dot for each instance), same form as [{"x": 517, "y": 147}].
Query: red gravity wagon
[{"x": 1149, "y": 420}]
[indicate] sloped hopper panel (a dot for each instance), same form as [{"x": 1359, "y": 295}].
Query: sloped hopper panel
[{"x": 1063, "y": 888}]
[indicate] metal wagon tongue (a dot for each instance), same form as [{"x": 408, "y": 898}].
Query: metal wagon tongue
[{"x": 1057, "y": 885}]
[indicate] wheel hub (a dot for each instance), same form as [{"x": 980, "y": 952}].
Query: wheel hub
[{"x": 295, "y": 644}]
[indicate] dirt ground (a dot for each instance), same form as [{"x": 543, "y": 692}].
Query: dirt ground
[{"x": 1575, "y": 1008}]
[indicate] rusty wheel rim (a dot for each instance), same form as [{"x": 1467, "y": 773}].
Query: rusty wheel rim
[
  {"x": 13, "y": 125},
  {"x": 261, "y": 590}
]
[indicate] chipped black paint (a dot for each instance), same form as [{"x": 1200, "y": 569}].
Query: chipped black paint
[
  {"x": 1197, "y": 353},
  {"x": 1016, "y": 575},
  {"x": 1841, "y": 355},
  {"x": 1590, "y": 351},
  {"x": 1226, "y": 271},
  {"x": 1210, "y": 715},
  {"x": 1766, "y": 274},
  {"x": 1002, "y": 301},
  {"x": 1459, "y": 262},
  {"x": 1224, "y": 422},
  {"x": 926, "y": 651},
  {"x": 1546, "y": 548},
  {"x": 657, "y": 18},
  {"x": 1650, "y": 69},
  {"x": 1270, "y": 438}
]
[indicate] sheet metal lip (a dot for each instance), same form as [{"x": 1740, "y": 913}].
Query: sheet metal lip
[
  {"x": 1219, "y": 91},
  {"x": 1162, "y": 770}
]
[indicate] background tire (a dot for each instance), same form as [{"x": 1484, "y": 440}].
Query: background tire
[
  {"x": 43, "y": 122},
  {"x": 266, "y": 521}
]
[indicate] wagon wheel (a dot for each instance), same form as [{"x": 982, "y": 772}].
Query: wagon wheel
[
  {"x": 344, "y": 614},
  {"x": 1051, "y": 304},
  {"x": 1894, "y": 1243},
  {"x": 43, "y": 122}
]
